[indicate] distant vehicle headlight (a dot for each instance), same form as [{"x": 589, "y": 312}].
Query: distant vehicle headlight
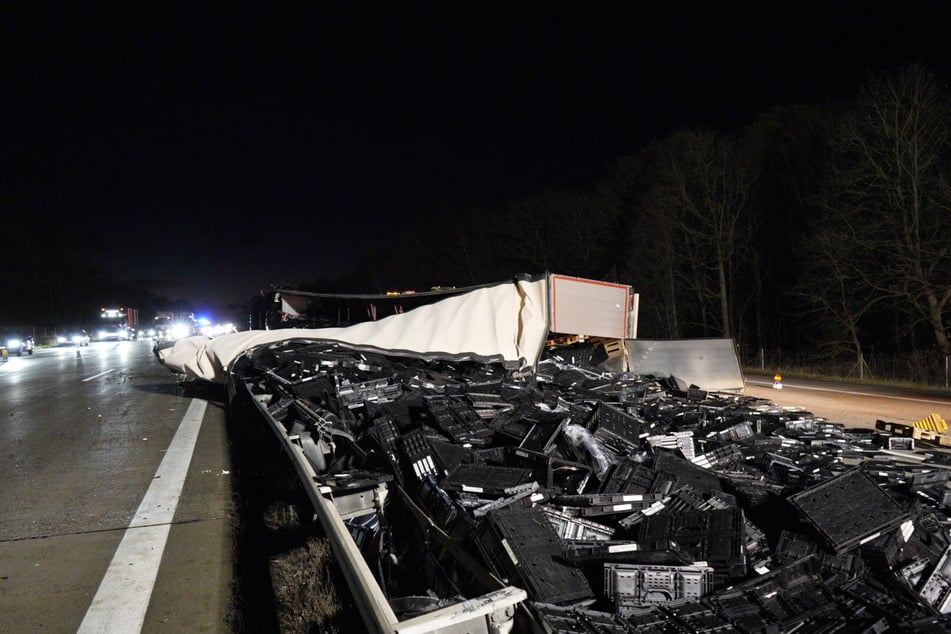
[
  {"x": 180, "y": 330},
  {"x": 61, "y": 339},
  {"x": 14, "y": 343},
  {"x": 77, "y": 338}
]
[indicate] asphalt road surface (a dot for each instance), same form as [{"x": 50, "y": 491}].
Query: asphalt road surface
[
  {"x": 850, "y": 404},
  {"x": 115, "y": 502}
]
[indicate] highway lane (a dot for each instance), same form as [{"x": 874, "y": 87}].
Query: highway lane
[{"x": 84, "y": 436}]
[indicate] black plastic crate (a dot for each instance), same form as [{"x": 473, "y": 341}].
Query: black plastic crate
[
  {"x": 419, "y": 459},
  {"x": 486, "y": 479},
  {"x": 522, "y": 546},
  {"x": 849, "y": 510},
  {"x": 550, "y": 472},
  {"x": 617, "y": 429}
]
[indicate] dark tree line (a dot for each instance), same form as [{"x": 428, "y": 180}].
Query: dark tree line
[
  {"x": 819, "y": 225},
  {"x": 48, "y": 284}
]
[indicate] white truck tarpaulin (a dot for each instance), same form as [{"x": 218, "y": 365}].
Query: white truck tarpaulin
[{"x": 506, "y": 323}]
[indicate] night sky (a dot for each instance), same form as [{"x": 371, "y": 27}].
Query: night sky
[{"x": 207, "y": 153}]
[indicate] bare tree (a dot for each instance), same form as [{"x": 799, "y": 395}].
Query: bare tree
[
  {"x": 563, "y": 230},
  {"x": 895, "y": 154},
  {"x": 703, "y": 182},
  {"x": 791, "y": 146},
  {"x": 835, "y": 284},
  {"x": 652, "y": 262}
]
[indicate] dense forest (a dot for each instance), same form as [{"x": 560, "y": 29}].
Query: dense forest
[{"x": 825, "y": 226}]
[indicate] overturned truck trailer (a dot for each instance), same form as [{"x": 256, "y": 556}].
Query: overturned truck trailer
[{"x": 308, "y": 384}]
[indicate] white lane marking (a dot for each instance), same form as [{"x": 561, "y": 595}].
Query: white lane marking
[
  {"x": 123, "y": 597},
  {"x": 838, "y": 391},
  {"x": 96, "y": 376}
]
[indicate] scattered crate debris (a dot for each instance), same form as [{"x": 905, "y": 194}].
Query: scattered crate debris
[{"x": 618, "y": 502}]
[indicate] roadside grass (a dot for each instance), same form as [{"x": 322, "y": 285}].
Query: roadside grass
[
  {"x": 286, "y": 578},
  {"x": 304, "y": 589}
]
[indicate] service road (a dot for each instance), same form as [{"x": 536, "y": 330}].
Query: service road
[{"x": 851, "y": 404}]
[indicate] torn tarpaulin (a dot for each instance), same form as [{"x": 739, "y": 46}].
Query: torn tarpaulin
[{"x": 557, "y": 483}]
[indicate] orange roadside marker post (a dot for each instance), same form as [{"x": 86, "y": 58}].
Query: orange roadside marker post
[{"x": 777, "y": 382}]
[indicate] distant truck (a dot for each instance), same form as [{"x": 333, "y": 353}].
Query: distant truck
[
  {"x": 118, "y": 324},
  {"x": 169, "y": 326},
  {"x": 161, "y": 326}
]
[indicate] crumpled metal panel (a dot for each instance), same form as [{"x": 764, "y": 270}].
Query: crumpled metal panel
[{"x": 710, "y": 363}]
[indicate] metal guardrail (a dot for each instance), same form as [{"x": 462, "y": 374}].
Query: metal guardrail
[{"x": 492, "y": 613}]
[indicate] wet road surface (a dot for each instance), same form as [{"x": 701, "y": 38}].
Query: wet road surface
[{"x": 85, "y": 442}]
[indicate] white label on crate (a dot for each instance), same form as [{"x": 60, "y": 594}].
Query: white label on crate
[
  {"x": 622, "y": 507},
  {"x": 511, "y": 554},
  {"x": 468, "y": 489},
  {"x": 907, "y": 529},
  {"x": 632, "y": 498},
  {"x": 622, "y": 548},
  {"x": 870, "y": 538}
]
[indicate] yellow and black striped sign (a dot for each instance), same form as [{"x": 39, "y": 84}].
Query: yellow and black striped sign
[{"x": 933, "y": 423}]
